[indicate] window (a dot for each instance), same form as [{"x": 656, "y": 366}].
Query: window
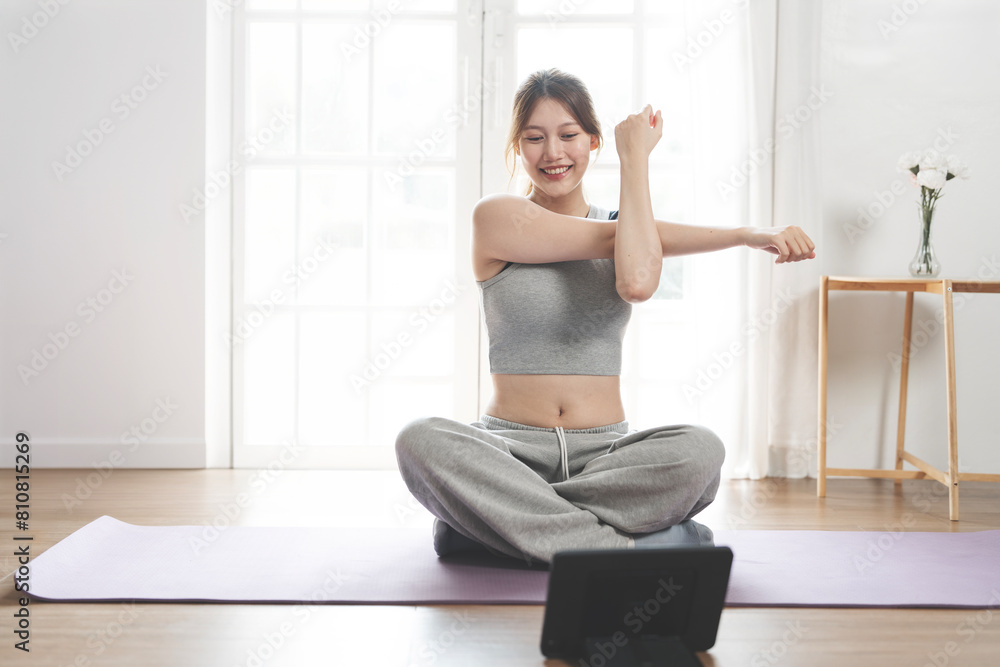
[
  {"x": 354, "y": 309},
  {"x": 369, "y": 131}
]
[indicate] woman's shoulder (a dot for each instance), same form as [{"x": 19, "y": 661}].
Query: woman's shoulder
[{"x": 500, "y": 200}]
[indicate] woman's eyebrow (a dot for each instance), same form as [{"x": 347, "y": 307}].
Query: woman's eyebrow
[{"x": 539, "y": 127}]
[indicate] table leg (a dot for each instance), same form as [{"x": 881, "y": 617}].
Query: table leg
[
  {"x": 949, "y": 343},
  {"x": 824, "y": 284},
  {"x": 904, "y": 374}
]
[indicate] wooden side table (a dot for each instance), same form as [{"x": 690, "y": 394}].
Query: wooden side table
[{"x": 945, "y": 288}]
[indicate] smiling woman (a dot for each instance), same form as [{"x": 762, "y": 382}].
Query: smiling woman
[
  {"x": 556, "y": 111},
  {"x": 552, "y": 464}
]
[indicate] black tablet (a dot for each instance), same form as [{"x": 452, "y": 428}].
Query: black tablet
[{"x": 612, "y": 608}]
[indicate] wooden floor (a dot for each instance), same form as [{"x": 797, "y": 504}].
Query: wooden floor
[{"x": 221, "y": 635}]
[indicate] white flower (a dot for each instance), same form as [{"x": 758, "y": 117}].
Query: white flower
[
  {"x": 907, "y": 161},
  {"x": 931, "y": 160},
  {"x": 957, "y": 168},
  {"x": 931, "y": 178}
]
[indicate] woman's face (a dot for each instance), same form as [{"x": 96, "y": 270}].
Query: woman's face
[{"x": 554, "y": 149}]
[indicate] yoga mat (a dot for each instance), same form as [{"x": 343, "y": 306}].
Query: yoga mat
[{"x": 111, "y": 560}]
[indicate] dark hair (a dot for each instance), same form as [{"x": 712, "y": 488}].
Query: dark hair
[{"x": 554, "y": 84}]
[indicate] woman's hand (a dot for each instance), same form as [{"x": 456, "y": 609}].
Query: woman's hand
[
  {"x": 636, "y": 136},
  {"x": 790, "y": 244}
]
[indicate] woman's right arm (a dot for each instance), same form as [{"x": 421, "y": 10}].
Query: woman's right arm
[{"x": 509, "y": 228}]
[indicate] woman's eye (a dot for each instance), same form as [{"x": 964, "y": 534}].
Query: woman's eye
[
  {"x": 533, "y": 138},
  {"x": 569, "y": 136}
]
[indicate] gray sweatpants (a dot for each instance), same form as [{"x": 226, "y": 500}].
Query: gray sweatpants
[{"x": 529, "y": 492}]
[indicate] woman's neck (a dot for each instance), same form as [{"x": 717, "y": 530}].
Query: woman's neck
[{"x": 570, "y": 204}]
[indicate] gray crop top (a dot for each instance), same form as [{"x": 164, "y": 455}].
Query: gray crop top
[{"x": 561, "y": 318}]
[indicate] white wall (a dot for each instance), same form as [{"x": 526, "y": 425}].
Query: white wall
[
  {"x": 902, "y": 78},
  {"x": 64, "y": 237},
  {"x": 60, "y": 241}
]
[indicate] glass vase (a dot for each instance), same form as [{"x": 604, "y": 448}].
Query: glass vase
[{"x": 925, "y": 264}]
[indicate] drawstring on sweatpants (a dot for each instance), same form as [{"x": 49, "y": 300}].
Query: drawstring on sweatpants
[{"x": 563, "y": 454}]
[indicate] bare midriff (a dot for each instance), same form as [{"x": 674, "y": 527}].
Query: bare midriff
[{"x": 569, "y": 401}]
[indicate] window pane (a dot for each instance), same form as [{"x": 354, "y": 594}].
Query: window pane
[
  {"x": 269, "y": 241},
  {"x": 269, "y": 381},
  {"x": 668, "y": 89},
  {"x": 671, "y": 279},
  {"x": 331, "y": 355},
  {"x": 271, "y": 60},
  {"x": 334, "y": 90},
  {"x": 415, "y": 342},
  {"x": 412, "y": 238},
  {"x": 414, "y": 88},
  {"x": 334, "y": 207},
  {"x": 393, "y": 405}
]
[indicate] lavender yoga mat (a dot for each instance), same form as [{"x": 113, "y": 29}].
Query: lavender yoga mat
[{"x": 111, "y": 560}]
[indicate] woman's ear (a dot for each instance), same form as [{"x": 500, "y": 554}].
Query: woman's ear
[{"x": 593, "y": 142}]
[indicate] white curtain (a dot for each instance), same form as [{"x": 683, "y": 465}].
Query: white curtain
[
  {"x": 776, "y": 409},
  {"x": 797, "y": 200},
  {"x": 750, "y": 453}
]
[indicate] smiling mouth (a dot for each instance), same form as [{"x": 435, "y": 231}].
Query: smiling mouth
[{"x": 556, "y": 170}]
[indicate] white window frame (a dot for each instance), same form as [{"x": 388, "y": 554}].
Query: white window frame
[{"x": 468, "y": 187}]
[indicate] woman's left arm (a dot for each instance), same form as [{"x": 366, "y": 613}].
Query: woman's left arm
[
  {"x": 638, "y": 261},
  {"x": 790, "y": 244}
]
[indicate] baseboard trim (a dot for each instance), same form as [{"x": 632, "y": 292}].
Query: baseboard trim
[{"x": 100, "y": 454}]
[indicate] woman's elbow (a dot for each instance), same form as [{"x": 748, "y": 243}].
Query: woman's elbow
[
  {"x": 636, "y": 291},
  {"x": 638, "y": 283}
]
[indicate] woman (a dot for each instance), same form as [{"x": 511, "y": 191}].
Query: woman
[{"x": 552, "y": 464}]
